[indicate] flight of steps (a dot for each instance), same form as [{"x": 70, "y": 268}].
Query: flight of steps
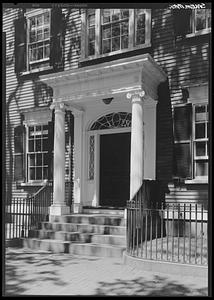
[{"x": 98, "y": 233}]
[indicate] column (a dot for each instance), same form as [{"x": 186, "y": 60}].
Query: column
[
  {"x": 78, "y": 161},
  {"x": 137, "y": 142},
  {"x": 59, "y": 206}
]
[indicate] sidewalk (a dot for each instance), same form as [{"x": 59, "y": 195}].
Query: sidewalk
[{"x": 30, "y": 272}]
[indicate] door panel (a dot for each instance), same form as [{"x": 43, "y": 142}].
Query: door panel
[{"x": 114, "y": 169}]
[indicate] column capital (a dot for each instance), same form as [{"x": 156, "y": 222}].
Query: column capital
[
  {"x": 136, "y": 95},
  {"x": 59, "y": 106}
]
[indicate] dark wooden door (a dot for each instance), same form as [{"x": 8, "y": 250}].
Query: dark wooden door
[{"x": 114, "y": 169}]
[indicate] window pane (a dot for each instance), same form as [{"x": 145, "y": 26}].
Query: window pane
[
  {"x": 201, "y": 168},
  {"x": 32, "y": 160},
  {"x": 39, "y": 20},
  {"x": 91, "y": 50},
  {"x": 38, "y": 173},
  {"x": 32, "y": 173},
  {"x": 47, "y": 51},
  {"x": 40, "y": 53},
  {"x": 116, "y": 44},
  {"x": 200, "y": 148},
  {"x": 39, "y": 35},
  {"x": 200, "y": 108},
  {"x": 32, "y": 37},
  {"x": 31, "y": 145},
  {"x": 106, "y": 32},
  {"x": 45, "y": 159},
  {"x": 115, "y": 14},
  {"x": 200, "y": 19},
  {"x": 124, "y": 42},
  {"x": 140, "y": 39},
  {"x": 91, "y": 20},
  {"x": 91, "y": 34},
  {"x": 38, "y": 145},
  {"x": 106, "y": 46},
  {"x": 115, "y": 30},
  {"x": 106, "y": 16},
  {"x": 124, "y": 28},
  {"x": 46, "y": 18},
  {"x": 39, "y": 159},
  {"x": 200, "y": 130},
  {"x": 45, "y": 173},
  {"x": 45, "y": 145},
  {"x": 46, "y": 33},
  {"x": 32, "y": 22},
  {"x": 124, "y": 13}
]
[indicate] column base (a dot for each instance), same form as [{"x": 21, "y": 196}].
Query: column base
[
  {"x": 76, "y": 208},
  {"x": 59, "y": 210}
]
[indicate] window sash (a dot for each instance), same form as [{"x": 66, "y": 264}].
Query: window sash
[
  {"x": 34, "y": 164},
  {"x": 99, "y": 25},
  {"x": 194, "y": 21},
  {"x": 43, "y": 43},
  {"x": 200, "y": 159}
]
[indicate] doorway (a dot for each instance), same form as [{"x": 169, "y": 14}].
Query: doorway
[{"x": 115, "y": 169}]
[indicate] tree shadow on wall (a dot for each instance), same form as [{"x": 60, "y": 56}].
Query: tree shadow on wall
[{"x": 73, "y": 32}]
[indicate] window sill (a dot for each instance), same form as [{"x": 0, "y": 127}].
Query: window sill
[
  {"x": 38, "y": 183},
  {"x": 37, "y": 70},
  {"x": 110, "y": 54},
  {"x": 196, "y": 181},
  {"x": 198, "y": 33}
]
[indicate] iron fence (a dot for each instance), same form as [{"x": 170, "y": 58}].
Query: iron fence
[
  {"x": 24, "y": 214},
  {"x": 175, "y": 233}
]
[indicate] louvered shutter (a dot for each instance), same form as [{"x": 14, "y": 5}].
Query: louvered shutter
[
  {"x": 182, "y": 145},
  {"x": 181, "y": 21},
  {"x": 57, "y": 38},
  {"x": 164, "y": 134},
  {"x": 50, "y": 147},
  {"x": 20, "y": 45},
  {"x": 19, "y": 153}
]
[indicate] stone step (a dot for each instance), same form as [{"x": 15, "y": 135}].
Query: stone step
[
  {"x": 62, "y": 235},
  {"x": 93, "y": 249},
  {"x": 110, "y": 212},
  {"x": 58, "y": 246},
  {"x": 84, "y": 228},
  {"x": 99, "y": 219},
  {"x": 107, "y": 239},
  {"x": 79, "y": 237}
]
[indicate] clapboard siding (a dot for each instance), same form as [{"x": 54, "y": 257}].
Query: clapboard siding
[{"x": 184, "y": 62}]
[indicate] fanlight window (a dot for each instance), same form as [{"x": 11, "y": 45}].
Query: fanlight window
[{"x": 113, "y": 120}]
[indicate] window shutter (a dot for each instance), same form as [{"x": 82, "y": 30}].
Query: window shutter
[
  {"x": 50, "y": 147},
  {"x": 182, "y": 146},
  {"x": 57, "y": 38},
  {"x": 19, "y": 153},
  {"x": 20, "y": 45},
  {"x": 181, "y": 21},
  {"x": 164, "y": 135}
]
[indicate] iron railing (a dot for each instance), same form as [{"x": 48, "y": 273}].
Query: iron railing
[
  {"x": 24, "y": 213},
  {"x": 175, "y": 233}
]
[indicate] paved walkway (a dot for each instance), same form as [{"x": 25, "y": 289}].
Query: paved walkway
[{"x": 30, "y": 272}]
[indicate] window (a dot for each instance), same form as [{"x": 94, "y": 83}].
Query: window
[
  {"x": 191, "y": 141},
  {"x": 33, "y": 147},
  {"x": 37, "y": 152},
  {"x": 192, "y": 21},
  {"x": 201, "y": 20},
  {"x": 200, "y": 140},
  {"x": 111, "y": 31},
  {"x": 39, "y": 38}
]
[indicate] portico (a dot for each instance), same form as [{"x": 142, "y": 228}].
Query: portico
[{"x": 132, "y": 84}]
